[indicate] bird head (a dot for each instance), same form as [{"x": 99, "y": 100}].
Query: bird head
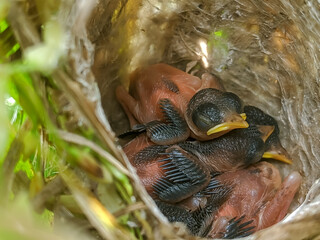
[
  {"x": 273, "y": 147},
  {"x": 212, "y": 113}
]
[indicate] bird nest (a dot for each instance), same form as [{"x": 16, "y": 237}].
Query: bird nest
[{"x": 264, "y": 51}]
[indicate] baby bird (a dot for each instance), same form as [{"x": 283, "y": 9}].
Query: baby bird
[
  {"x": 190, "y": 164},
  {"x": 199, "y": 221},
  {"x": 171, "y": 105},
  {"x": 174, "y": 173},
  {"x": 273, "y": 148},
  {"x": 258, "y": 195},
  {"x": 248, "y": 200}
]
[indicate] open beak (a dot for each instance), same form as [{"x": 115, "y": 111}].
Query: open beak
[
  {"x": 278, "y": 153},
  {"x": 236, "y": 121}
]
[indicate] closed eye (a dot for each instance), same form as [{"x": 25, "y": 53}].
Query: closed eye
[{"x": 204, "y": 119}]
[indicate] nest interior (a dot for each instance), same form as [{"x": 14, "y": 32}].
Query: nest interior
[{"x": 264, "y": 51}]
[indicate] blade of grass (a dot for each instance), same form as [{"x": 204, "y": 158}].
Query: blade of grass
[{"x": 73, "y": 138}]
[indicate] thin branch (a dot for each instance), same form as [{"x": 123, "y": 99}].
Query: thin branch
[
  {"x": 102, "y": 220},
  {"x": 130, "y": 208},
  {"x": 51, "y": 189},
  {"x": 74, "y": 138}
]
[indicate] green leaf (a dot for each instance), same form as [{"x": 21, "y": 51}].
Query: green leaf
[
  {"x": 26, "y": 167},
  {"x": 14, "y": 49},
  {"x": 29, "y": 99},
  {"x": 4, "y": 121},
  {"x": 218, "y": 40},
  {"x": 3, "y": 25}
]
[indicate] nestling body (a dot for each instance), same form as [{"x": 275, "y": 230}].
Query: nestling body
[
  {"x": 258, "y": 195},
  {"x": 171, "y": 105},
  {"x": 173, "y": 173}
]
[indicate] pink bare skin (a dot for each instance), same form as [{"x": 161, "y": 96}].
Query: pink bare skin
[
  {"x": 136, "y": 145},
  {"x": 149, "y": 172},
  {"x": 258, "y": 194},
  {"x": 217, "y": 155},
  {"x": 150, "y": 84}
]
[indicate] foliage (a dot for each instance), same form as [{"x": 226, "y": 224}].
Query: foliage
[{"x": 54, "y": 163}]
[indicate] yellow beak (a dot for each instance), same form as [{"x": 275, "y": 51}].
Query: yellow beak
[
  {"x": 277, "y": 156},
  {"x": 236, "y": 122}
]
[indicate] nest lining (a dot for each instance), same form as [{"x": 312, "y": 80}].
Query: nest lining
[{"x": 267, "y": 57}]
